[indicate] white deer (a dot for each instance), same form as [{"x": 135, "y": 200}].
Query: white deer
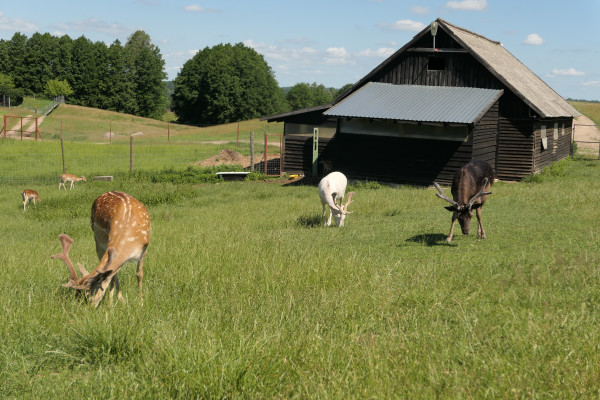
[
  {"x": 332, "y": 189},
  {"x": 69, "y": 178},
  {"x": 121, "y": 226},
  {"x": 29, "y": 195}
]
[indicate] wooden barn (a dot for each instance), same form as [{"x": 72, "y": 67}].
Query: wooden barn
[{"x": 446, "y": 97}]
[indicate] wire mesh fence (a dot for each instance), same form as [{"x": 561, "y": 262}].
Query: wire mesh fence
[
  {"x": 29, "y": 162},
  {"x": 586, "y": 138}
]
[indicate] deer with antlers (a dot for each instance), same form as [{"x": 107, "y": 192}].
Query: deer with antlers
[
  {"x": 70, "y": 178},
  {"x": 28, "y": 196},
  {"x": 332, "y": 189},
  {"x": 470, "y": 187},
  {"x": 121, "y": 226}
]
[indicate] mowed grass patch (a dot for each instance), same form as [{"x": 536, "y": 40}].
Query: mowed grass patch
[{"x": 246, "y": 296}]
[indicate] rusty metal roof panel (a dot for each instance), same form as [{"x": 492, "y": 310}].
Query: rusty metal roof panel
[{"x": 376, "y": 100}]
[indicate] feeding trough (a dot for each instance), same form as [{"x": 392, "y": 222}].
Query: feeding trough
[{"x": 233, "y": 176}]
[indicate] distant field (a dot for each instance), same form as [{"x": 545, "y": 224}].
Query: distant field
[{"x": 589, "y": 109}]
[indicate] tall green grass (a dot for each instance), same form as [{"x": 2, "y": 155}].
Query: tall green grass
[{"x": 247, "y": 296}]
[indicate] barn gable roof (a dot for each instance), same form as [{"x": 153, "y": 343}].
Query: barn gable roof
[
  {"x": 502, "y": 64},
  {"x": 514, "y": 74},
  {"x": 459, "y": 105}
]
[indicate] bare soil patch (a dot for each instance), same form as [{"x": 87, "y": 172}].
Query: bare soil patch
[{"x": 232, "y": 157}]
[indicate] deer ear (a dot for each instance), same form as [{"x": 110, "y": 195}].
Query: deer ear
[
  {"x": 451, "y": 208},
  {"x": 476, "y": 206}
]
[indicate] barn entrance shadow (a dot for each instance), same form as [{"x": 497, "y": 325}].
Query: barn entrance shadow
[{"x": 430, "y": 239}]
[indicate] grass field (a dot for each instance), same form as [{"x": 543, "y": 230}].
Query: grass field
[{"x": 246, "y": 296}]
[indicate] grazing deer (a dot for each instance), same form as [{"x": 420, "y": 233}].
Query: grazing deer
[
  {"x": 29, "y": 195},
  {"x": 69, "y": 178},
  {"x": 121, "y": 226},
  {"x": 331, "y": 191},
  {"x": 470, "y": 187}
]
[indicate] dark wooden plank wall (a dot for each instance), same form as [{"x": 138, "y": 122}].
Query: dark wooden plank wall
[
  {"x": 297, "y": 153},
  {"x": 515, "y": 149},
  {"x": 556, "y": 150},
  {"x": 461, "y": 70},
  {"x": 485, "y": 137},
  {"x": 399, "y": 160}
]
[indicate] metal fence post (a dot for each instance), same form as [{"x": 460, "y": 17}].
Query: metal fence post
[
  {"x": 315, "y": 153},
  {"x": 266, "y": 156}
]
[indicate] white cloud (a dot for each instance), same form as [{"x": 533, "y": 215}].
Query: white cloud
[
  {"x": 591, "y": 83},
  {"x": 382, "y": 52},
  {"x": 403, "y": 25},
  {"x": 198, "y": 8},
  {"x": 194, "y": 8},
  {"x": 476, "y": 5},
  {"x": 16, "y": 24},
  {"x": 567, "y": 72},
  {"x": 534, "y": 39},
  {"x": 337, "y": 52},
  {"x": 419, "y": 10},
  {"x": 95, "y": 25}
]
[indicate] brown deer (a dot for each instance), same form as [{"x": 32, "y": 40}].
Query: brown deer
[
  {"x": 121, "y": 226},
  {"x": 29, "y": 195},
  {"x": 69, "y": 178},
  {"x": 470, "y": 187}
]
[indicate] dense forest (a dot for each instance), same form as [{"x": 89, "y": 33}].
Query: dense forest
[{"x": 221, "y": 84}]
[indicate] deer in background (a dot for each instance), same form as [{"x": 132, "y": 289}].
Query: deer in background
[
  {"x": 121, "y": 227},
  {"x": 29, "y": 195},
  {"x": 69, "y": 178},
  {"x": 470, "y": 187},
  {"x": 332, "y": 189}
]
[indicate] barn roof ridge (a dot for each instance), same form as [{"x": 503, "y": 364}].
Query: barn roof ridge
[{"x": 468, "y": 31}]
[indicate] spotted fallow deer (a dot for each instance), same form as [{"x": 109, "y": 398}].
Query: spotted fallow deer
[
  {"x": 470, "y": 187},
  {"x": 30, "y": 195},
  {"x": 121, "y": 226},
  {"x": 70, "y": 178}
]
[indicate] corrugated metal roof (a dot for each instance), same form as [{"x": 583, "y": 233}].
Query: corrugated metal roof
[{"x": 416, "y": 103}]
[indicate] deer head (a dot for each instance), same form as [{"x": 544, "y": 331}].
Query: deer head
[
  {"x": 340, "y": 216},
  {"x": 87, "y": 281}
]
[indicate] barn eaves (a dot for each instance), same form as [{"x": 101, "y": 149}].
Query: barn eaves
[{"x": 414, "y": 103}]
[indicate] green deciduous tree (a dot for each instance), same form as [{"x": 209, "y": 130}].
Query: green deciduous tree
[
  {"x": 55, "y": 88},
  {"x": 147, "y": 75},
  {"x": 223, "y": 84},
  {"x": 304, "y": 95}
]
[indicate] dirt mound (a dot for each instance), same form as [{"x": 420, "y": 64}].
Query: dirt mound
[{"x": 226, "y": 156}]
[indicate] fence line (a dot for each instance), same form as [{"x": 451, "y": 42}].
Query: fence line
[
  {"x": 587, "y": 147},
  {"x": 30, "y": 162}
]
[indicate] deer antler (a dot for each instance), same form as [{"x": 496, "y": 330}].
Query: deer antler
[
  {"x": 481, "y": 192},
  {"x": 350, "y": 201},
  {"x": 441, "y": 195},
  {"x": 66, "y": 242}
]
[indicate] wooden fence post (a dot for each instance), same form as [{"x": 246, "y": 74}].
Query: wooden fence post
[
  {"x": 130, "y": 154},
  {"x": 251, "y": 151}
]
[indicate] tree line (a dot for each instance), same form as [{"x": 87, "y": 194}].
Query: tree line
[
  {"x": 127, "y": 78},
  {"x": 220, "y": 84}
]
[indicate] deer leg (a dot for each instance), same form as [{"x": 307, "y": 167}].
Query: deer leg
[
  {"x": 100, "y": 290},
  {"x": 140, "y": 274},
  {"x": 114, "y": 286},
  {"x": 451, "y": 234},
  {"x": 324, "y": 217},
  {"x": 480, "y": 231}
]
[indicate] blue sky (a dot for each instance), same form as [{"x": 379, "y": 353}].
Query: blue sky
[{"x": 331, "y": 42}]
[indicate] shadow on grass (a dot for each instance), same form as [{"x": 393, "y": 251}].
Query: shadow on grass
[
  {"x": 309, "y": 221},
  {"x": 430, "y": 239}
]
